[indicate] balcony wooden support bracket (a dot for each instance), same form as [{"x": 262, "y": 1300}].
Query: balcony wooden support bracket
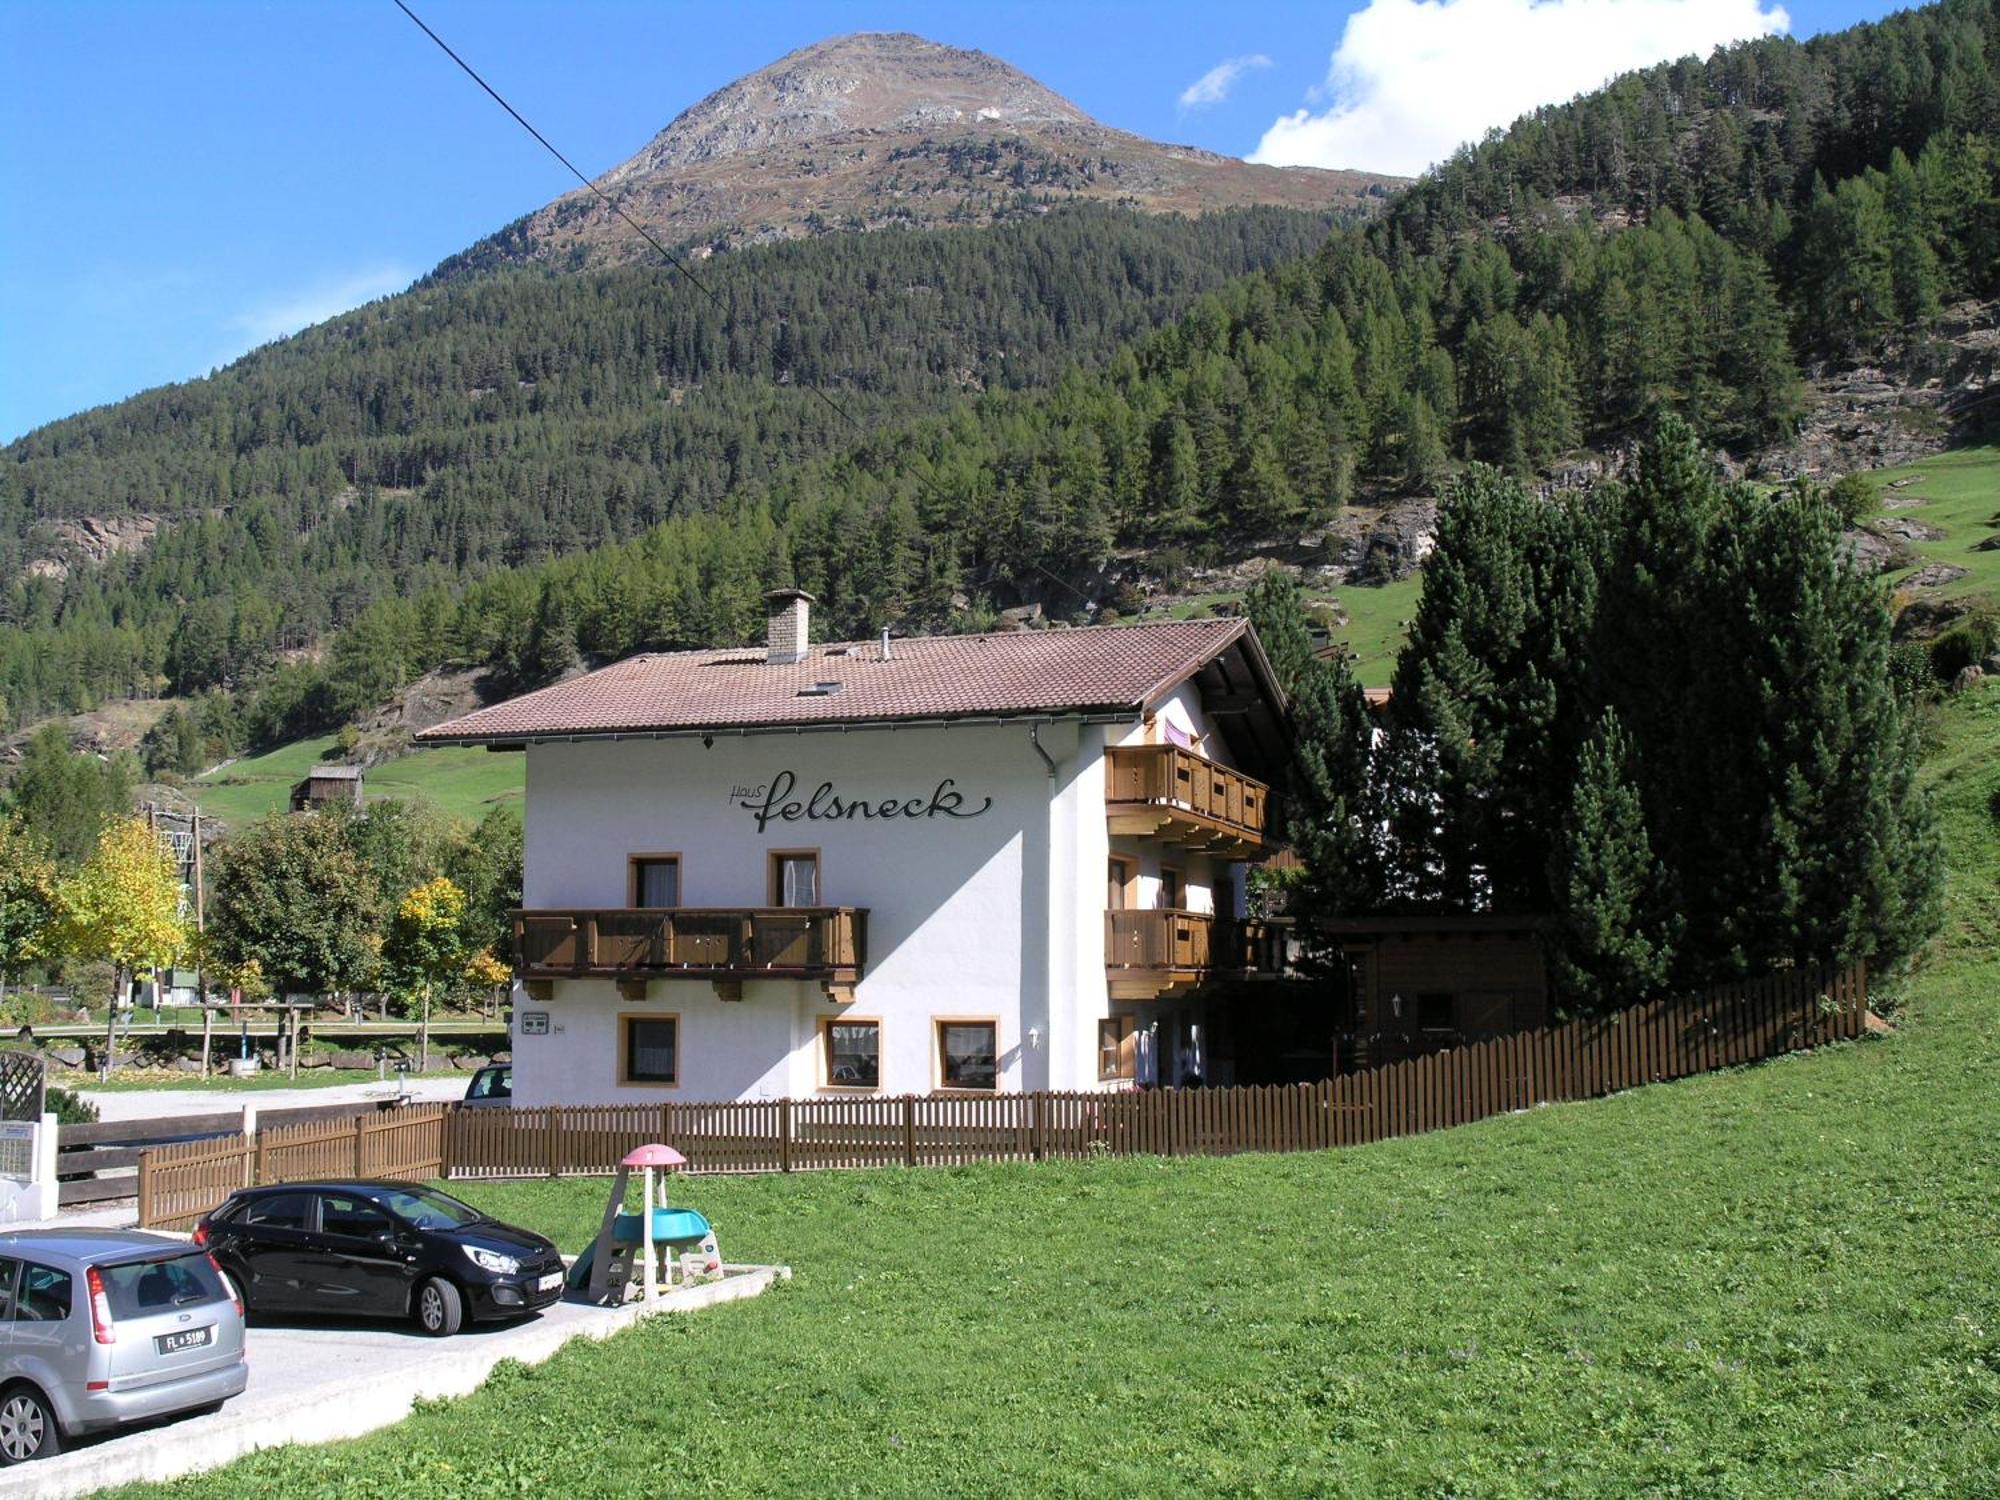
[
  {"x": 729, "y": 989},
  {"x": 838, "y": 992},
  {"x": 632, "y": 989},
  {"x": 541, "y": 991}
]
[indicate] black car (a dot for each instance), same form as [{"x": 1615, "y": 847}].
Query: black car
[{"x": 379, "y": 1249}]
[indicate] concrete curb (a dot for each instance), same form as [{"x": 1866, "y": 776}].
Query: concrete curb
[{"x": 351, "y": 1407}]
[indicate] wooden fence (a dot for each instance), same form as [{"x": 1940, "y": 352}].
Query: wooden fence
[
  {"x": 1582, "y": 1060},
  {"x": 180, "y": 1183}
]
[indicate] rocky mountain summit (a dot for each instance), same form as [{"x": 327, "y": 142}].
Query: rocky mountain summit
[{"x": 880, "y": 130}]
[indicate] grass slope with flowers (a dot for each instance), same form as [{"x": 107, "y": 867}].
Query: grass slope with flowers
[{"x": 1781, "y": 1280}]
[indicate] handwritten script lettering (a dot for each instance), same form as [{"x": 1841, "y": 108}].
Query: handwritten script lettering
[{"x": 774, "y": 802}]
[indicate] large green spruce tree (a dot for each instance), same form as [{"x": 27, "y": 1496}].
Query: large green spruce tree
[{"x": 1661, "y": 715}]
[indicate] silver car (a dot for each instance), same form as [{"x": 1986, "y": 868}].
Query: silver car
[{"x": 100, "y": 1327}]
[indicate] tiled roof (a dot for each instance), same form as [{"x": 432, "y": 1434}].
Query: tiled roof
[{"x": 1102, "y": 668}]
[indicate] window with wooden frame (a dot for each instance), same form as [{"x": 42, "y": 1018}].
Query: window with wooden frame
[
  {"x": 653, "y": 881},
  {"x": 1434, "y": 1012},
  {"x": 968, "y": 1055},
  {"x": 1173, "y": 889},
  {"x": 1117, "y": 1048},
  {"x": 794, "y": 877},
  {"x": 850, "y": 1052},
  {"x": 1122, "y": 875},
  {"x": 649, "y": 1049}
]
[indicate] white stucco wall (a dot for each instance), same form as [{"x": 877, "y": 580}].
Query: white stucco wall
[{"x": 998, "y": 916}]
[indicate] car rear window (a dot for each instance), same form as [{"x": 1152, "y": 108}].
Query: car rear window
[{"x": 144, "y": 1288}]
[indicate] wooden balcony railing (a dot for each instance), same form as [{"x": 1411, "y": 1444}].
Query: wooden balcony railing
[
  {"x": 1148, "y": 953},
  {"x": 724, "y": 944},
  {"x": 1174, "y": 794}
]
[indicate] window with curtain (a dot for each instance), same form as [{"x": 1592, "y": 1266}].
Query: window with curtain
[
  {"x": 656, "y": 883},
  {"x": 652, "y": 1049},
  {"x": 795, "y": 879},
  {"x": 968, "y": 1054},
  {"x": 854, "y": 1054}
]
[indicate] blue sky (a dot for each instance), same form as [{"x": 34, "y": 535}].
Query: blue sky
[{"x": 180, "y": 182}]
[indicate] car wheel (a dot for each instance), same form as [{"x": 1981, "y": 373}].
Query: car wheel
[
  {"x": 440, "y": 1309},
  {"x": 27, "y": 1426}
]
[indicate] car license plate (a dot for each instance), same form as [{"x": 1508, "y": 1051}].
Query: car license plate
[
  {"x": 187, "y": 1338},
  {"x": 549, "y": 1282}
]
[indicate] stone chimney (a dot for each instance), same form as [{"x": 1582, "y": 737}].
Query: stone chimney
[{"x": 788, "y": 620}]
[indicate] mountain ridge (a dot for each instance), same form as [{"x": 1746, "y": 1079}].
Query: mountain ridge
[{"x": 875, "y": 130}]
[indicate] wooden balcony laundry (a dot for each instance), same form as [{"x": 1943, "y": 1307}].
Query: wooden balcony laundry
[
  {"x": 725, "y": 945},
  {"x": 1165, "y": 792}
]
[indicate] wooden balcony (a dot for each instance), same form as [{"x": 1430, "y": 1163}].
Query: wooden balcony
[
  {"x": 725, "y": 945},
  {"x": 1166, "y": 792},
  {"x": 1148, "y": 954}
]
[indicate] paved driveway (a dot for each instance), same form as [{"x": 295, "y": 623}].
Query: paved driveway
[{"x": 311, "y": 1382}]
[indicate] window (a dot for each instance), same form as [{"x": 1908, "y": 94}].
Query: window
[
  {"x": 492, "y": 1083},
  {"x": 968, "y": 1054},
  {"x": 1118, "y": 890},
  {"x": 654, "y": 881},
  {"x": 141, "y": 1288},
  {"x": 1173, "y": 889},
  {"x": 853, "y": 1053},
  {"x": 8, "y": 1268},
  {"x": 795, "y": 877},
  {"x": 351, "y": 1215},
  {"x": 1434, "y": 1012},
  {"x": 44, "y": 1295},
  {"x": 1117, "y": 1048},
  {"x": 279, "y": 1211},
  {"x": 651, "y": 1047}
]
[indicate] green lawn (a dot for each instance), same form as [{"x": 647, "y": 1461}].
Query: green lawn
[
  {"x": 1779, "y": 1281},
  {"x": 463, "y": 782},
  {"x": 1960, "y": 491}
]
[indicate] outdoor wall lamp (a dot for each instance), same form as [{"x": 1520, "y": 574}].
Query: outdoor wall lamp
[
  {"x": 1396, "y": 1005},
  {"x": 1034, "y": 1038}
]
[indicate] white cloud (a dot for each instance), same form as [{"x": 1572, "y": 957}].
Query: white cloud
[
  {"x": 315, "y": 304},
  {"x": 1412, "y": 80},
  {"x": 1214, "y": 85}
]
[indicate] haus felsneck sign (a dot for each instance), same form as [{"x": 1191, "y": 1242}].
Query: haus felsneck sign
[{"x": 774, "y": 801}]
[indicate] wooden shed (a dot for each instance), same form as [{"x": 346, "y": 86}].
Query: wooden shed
[{"x": 337, "y": 785}]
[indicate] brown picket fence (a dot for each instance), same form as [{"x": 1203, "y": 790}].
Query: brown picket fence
[
  {"x": 1651, "y": 1043},
  {"x": 181, "y": 1182}
]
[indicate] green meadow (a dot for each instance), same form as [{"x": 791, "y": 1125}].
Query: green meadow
[
  {"x": 1780, "y": 1280},
  {"x": 1959, "y": 493},
  {"x": 465, "y": 783}
]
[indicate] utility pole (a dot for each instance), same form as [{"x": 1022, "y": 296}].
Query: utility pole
[{"x": 200, "y": 960}]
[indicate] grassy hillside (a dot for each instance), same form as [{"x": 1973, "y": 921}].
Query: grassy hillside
[
  {"x": 1775, "y": 1281},
  {"x": 1959, "y": 493},
  {"x": 464, "y": 783}
]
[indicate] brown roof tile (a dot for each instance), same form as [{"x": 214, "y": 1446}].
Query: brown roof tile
[{"x": 1106, "y": 668}]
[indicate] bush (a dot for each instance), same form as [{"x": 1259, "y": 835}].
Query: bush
[
  {"x": 69, "y": 1108},
  {"x": 1852, "y": 496},
  {"x": 1966, "y": 644}
]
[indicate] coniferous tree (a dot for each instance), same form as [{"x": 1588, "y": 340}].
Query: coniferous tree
[
  {"x": 1329, "y": 788},
  {"x": 1614, "y": 940}
]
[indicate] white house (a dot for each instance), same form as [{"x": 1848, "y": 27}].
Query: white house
[{"x": 960, "y": 862}]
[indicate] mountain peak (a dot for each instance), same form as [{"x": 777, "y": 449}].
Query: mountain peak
[
  {"x": 879, "y": 81},
  {"x": 879, "y": 130}
]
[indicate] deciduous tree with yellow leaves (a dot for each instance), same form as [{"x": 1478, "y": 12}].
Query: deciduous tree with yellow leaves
[{"x": 124, "y": 904}]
